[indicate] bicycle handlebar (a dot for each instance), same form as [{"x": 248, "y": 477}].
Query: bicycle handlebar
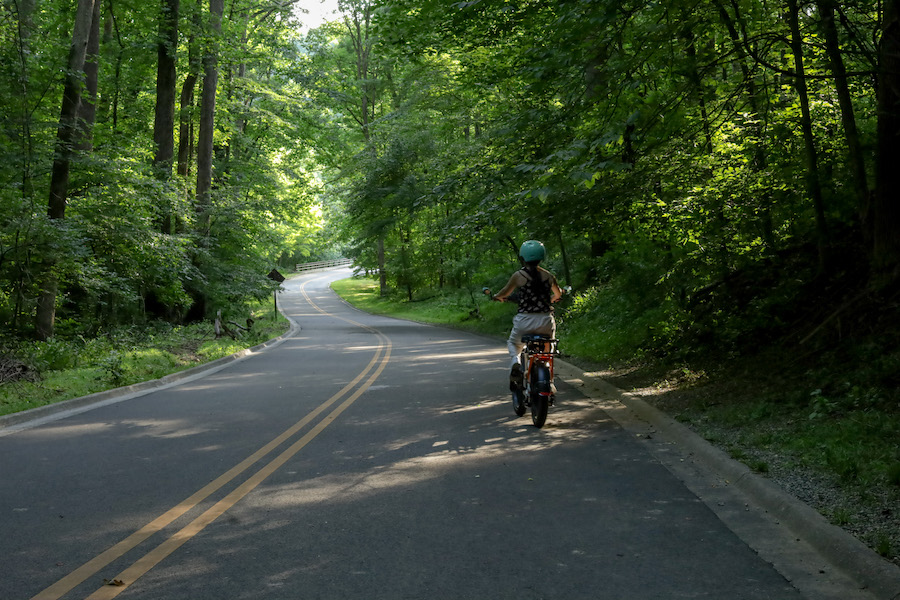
[{"x": 487, "y": 292}]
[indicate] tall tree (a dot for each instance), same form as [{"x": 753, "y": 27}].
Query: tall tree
[
  {"x": 207, "y": 114},
  {"x": 886, "y": 206},
  {"x": 66, "y": 139},
  {"x": 358, "y": 21},
  {"x": 856, "y": 158},
  {"x": 87, "y": 110},
  {"x": 813, "y": 181},
  {"x": 164, "y": 112},
  {"x": 186, "y": 99}
]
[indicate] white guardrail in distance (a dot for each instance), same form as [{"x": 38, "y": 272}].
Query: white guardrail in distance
[{"x": 322, "y": 264}]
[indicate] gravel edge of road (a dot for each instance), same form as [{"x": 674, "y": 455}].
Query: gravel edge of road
[{"x": 844, "y": 552}]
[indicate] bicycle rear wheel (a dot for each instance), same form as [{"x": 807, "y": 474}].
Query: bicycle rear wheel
[{"x": 540, "y": 394}]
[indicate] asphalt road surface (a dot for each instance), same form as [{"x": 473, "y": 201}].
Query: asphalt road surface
[{"x": 361, "y": 458}]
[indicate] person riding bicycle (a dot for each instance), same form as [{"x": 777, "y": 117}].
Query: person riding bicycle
[{"x": 537, "y": 291}]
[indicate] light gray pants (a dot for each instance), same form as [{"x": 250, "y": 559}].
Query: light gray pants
[{"x": 525, "y": 323}]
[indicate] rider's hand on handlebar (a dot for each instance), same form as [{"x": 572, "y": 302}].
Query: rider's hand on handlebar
[
  {"x": 562, "y": 292},
  {"x": 487, "y": 292}
]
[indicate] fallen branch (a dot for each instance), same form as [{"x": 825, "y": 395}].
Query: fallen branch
[
  {"x": 834, "y": 315},
  {"x": 241, "y": 327},
  {"x": 222, "y": 329}
]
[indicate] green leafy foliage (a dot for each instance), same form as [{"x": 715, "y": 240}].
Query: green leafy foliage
[
  {"x": 654, "y": 132},
  {"x": 133, "y": 246}
]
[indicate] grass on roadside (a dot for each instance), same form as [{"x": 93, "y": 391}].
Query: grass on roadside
[
  {"x": 72, "y": 368},
  {"x": 854, "y": 441},
  {"x": 461, "y": 309}
]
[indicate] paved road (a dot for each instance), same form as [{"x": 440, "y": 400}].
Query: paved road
[{"x": 362, "y": 458}]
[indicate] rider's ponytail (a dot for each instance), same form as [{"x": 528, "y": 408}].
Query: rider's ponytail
[{"x": 540, "y": 289}]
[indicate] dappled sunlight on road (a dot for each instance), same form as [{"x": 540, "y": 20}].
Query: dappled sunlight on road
[
  {"x": 82, "y": 429},
  {"x": 430, "y": 430},
  {"x": 348, "y": 349},
  {"x": 162, "y": 428},
  {"x": 409, "y": 441},
  {"x": 445, "y": 341},
  {"x": 464, "y": 408},
  {"x": 210, "y": 448},
  {"x": 474, "y": 460},
  {"x": 483, "y": 357},
  {"x": 457, "y": 359},
  {"x": 424, "y": 456},
  {"x": 356, "y": 486}
]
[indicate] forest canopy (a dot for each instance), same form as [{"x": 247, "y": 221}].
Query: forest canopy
[{"x": 159, "y": 159}]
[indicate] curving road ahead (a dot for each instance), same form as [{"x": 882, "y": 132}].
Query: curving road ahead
[{"x": 361, "y": 458}]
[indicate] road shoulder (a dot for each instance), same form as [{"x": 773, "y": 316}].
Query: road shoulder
[{"x": 821, "y": 560}]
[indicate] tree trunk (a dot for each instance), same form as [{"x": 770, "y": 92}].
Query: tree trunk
[
  {"x": 234, "y": 144},
  {"x": 110, "y": 33},
  {"x": 693, "y": 75},
  {"x": 26, "y": 10},
  {"x": 66, "y": 137},
  {"x": 164, "y": 121},
  {"x": 164, "y": 111},
  {"x": 87, "y": 110},
  {"x": 358, "y": 23},
  {"x": 24, "y": 116},
  {"x": 205, "y": 140},
  {"x": 185, "y": 124},
  {"x": 382, "y": 274},
  {"x": 885, "y": 216},
  {"x": 46, "y": 304},
  {"x": 357, "y": 19},
  {"x": 185, "y": 120},
  {"x": 67, "y": 132},
  {"x": 813, "y": 183},
  {"x": 567, "y": 273},
  {"x": 848, "y": 118},
  {"x": 207, "y": 116}
]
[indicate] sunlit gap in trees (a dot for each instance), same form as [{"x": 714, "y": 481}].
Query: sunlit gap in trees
[{"x": 316, "y": 13}]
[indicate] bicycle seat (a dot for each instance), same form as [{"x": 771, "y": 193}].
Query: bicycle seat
[{"x": 534, "y": 337}]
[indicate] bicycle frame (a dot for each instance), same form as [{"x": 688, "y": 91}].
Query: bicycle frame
[
  {"x": 539, "y": 353},
  {"x": 541, "y": 350}
]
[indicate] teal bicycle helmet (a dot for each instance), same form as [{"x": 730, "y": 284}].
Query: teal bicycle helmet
[{"x": 532, "y": 250}]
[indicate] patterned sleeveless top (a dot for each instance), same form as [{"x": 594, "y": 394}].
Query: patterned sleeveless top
[{"x": 534, "y": 296}]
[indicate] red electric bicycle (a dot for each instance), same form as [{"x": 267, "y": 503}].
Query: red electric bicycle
[{"x": 537, "y": 390}]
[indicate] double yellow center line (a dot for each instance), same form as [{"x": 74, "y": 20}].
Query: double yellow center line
[{"x": 140, "y": 567}]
